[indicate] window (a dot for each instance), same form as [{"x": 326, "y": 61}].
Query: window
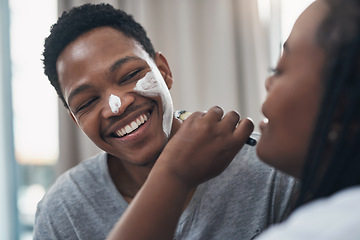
[
  {"x": 278, "y": 17},
  {"x": 291, "y": 10},
  {"x": 35, "y": 118}
]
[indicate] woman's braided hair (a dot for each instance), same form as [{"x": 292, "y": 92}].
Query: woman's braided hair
[{"x": 335, "y": 144}]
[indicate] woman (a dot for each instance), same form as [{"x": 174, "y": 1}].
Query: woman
[{"x": 311, "y": 131}]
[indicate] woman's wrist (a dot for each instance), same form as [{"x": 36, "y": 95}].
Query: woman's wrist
[{"x": 166, "y": 171}]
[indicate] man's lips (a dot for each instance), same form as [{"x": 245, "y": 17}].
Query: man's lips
[{"x": 132, "y": 126}]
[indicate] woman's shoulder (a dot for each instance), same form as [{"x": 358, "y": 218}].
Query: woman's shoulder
[{"x": 334, "y": 217}]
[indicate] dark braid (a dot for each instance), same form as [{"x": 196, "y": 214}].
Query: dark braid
[{"x": 339, "y": 35}]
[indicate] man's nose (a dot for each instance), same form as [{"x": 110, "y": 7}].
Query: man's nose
[{"x": 115, "y": 104}]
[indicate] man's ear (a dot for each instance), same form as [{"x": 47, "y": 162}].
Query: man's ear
[{"x": 164, "y": 69}]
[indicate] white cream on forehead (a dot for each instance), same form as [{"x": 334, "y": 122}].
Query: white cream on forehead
[
  {"x": 152, "y": 85},
  {"x": 114, "y": 103}
]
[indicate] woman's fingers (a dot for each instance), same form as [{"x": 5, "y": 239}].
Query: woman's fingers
[
  {"x": 218, "y": 123},
  {"x": 230, "y": 121},
  {"x": 244, "y": 130},
  {"x": 215, "y": 113}
]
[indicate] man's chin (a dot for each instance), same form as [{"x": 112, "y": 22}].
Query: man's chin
[{"x": 151, "y": 160}]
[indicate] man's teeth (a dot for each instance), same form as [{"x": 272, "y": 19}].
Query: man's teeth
[{"x": 132, "y": 126}]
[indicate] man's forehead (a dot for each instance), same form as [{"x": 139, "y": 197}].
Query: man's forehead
[
  {"x": 105, "y": 40},
  {"x": 101, "y": 45}
]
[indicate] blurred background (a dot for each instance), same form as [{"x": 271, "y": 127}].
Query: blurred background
[{"x": 220, "y": 53}]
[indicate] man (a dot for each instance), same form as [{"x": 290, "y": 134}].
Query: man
[{"x": 116, "y": 88}]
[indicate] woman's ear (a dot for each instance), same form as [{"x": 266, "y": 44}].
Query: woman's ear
[{"x": 164, "y": 69}]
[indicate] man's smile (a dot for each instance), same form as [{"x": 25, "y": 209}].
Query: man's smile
[{"x": 129, "y": 128}]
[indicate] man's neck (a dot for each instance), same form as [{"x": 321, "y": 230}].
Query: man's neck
[{"x": 129, "y": 178}]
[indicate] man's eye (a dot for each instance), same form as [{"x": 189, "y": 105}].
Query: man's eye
[
  {"x": 131, "y": 75},
  {"x": 86, "y": 104}
]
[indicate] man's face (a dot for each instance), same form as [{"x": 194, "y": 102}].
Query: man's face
[{"x": 117, "y": 94}]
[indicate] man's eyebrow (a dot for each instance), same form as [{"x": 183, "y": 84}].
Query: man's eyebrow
[
  {"x": 76, "y": 91},
  {"x": 122, "y": 61}
]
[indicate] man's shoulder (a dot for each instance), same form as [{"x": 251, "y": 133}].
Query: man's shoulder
[
  {"x": 81, "y": 197},
  {"x": 79, "y": 178}
]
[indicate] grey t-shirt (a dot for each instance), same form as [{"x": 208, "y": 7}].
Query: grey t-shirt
[{"x": 238, "y": 204}]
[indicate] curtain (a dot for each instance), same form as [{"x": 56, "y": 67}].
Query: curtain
[{"x": 216, "y": 49}]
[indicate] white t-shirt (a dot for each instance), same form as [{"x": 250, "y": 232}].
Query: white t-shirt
[{"x": 336, "y": 217}]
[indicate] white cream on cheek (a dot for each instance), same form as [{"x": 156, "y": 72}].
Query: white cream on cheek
[
  {"x": 148, "y": 85},
  {"x": 114, "y": 103},
  {"x": 152, "y": 85}
]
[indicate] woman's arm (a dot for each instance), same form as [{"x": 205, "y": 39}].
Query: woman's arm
[
  {"x": 154, "y": 212},
  {"x": 202, "y": 148}
]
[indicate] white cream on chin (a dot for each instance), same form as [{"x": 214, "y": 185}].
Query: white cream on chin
[
  {"x": 114, "y": 103},
  {"x": 152, "y": 85}
]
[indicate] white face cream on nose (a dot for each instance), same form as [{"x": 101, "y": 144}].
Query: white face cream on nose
[
  {"x": 114, "y": 103},
  {"x": 152, "y": 85}
]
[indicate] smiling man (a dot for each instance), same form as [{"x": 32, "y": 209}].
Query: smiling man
[
  {"x": 116, "y": 88},
  {"x": 103, "y": 64}
]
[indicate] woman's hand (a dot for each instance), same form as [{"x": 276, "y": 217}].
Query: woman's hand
[
  {"x": 201, "y": 149},
  {"x": 204, "y": 145}
]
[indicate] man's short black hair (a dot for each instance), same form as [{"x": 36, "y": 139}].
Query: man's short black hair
[{"x": 80, "y": 20}]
